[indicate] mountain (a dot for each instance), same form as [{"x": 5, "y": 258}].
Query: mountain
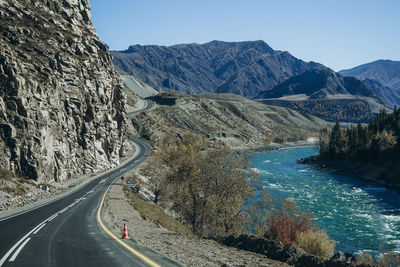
[
  {"x": 62, "y": 107},
  {"x": 319, "y": 84},
  {"x": 243, "y": 68},
  {"x": 387, "y": 72},
  {"x": 327, "y": 95},
  {"x": 390, "y": 95}
]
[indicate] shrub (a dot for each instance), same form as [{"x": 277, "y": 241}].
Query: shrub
[
  {"x": 365, "y": 258},
  {"x": 316, "y": 242},
  {"x": 287, "y": 221},
  {"x": 389, "y": 260}
]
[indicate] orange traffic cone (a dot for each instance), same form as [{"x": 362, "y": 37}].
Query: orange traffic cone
[{"x": 125, "y": 233}]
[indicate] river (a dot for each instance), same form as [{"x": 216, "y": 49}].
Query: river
[{"x": 360, "y": 216}]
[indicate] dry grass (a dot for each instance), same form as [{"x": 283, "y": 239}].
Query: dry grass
[
  {"x": 154, "y": 213},
  {"x": 365, "y": 258},
  {"x": 389, "y": 259},
  {"x": 6, "y": 174},
  {"x": 15, "y": 191},
  {"x": 316, "y": 242}
]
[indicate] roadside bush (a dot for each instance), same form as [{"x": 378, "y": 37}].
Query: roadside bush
[
  {"x": 316, "y": 242},
  {"x": 285, "y": 223}
]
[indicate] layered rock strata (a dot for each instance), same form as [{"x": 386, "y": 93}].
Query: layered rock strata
[{"x": 62, "y": 109}]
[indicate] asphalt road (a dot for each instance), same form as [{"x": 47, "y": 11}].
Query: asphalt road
[
  {"x": 66, "y": 232},
  {"x": 149, "y": 105}
]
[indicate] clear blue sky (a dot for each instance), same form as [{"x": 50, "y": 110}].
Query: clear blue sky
[{"x": 337, "y": 33}]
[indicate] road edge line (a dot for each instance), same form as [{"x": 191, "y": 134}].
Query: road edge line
[{"x": 133, "y": 251}]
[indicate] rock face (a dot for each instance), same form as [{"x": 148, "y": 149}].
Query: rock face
[
  {"x": 62, "y": 107},
  {"x": 243, "y": 68}
]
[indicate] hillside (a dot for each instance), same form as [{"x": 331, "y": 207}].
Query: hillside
[
  {"x": 386, "y": 72},
  {"x": 327, "y": 95},
  {"x": 61, "y": 103},
  {"x": 243, "y": 68},
  {"x": 225, "y": 118},
  {"x": 392, "y": 97},
  {"x": 140, "y": 88}
]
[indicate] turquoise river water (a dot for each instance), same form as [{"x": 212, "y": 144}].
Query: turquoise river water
[{"x": 360, "y": 216}]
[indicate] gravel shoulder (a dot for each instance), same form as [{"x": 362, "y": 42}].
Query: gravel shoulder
[{"x": 185, "y": 250}]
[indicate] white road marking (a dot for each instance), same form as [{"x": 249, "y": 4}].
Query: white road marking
[
  {"x": 37, "y": 230},
  {"x": 19, "y": 250},
  {"x": 17, "y": 244},
  {"x": 52, "y": 217},
  {"x": 64, "y": 209}
]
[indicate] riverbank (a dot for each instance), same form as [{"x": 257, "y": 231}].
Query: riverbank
[
  {"x": 372, "y": 172},
  {"x": 312, "y": 141}
]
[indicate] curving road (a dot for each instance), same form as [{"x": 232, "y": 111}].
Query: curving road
[
  {"x": 65, "y": 232},
  {"x": 149, "y": 105}
]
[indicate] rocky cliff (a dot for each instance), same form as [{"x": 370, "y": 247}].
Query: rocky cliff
[{"x": 61, "y": 103}]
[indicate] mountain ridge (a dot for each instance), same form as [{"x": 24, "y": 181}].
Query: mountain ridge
[
  {"x": 244, "y": 68},
  {"x": 385, "y": 71},
  {"x": 326, "y": 94}
]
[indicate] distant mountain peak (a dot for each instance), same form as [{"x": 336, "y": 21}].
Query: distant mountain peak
[
  {"x": 386, "y": 72},
  {"x": 245, "y": 68}
]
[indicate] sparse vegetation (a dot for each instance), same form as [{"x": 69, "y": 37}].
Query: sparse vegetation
[
  {"x": 316, "y": 242},
  {"x": 14, "y": 190},
  {"x": 6, "y": 174},
  {"x": 157, "y": 215},
  {"x": 365, "y": 258},
  {"x": 285, "y": 223},
  {"x": 389, "y": 259}
]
